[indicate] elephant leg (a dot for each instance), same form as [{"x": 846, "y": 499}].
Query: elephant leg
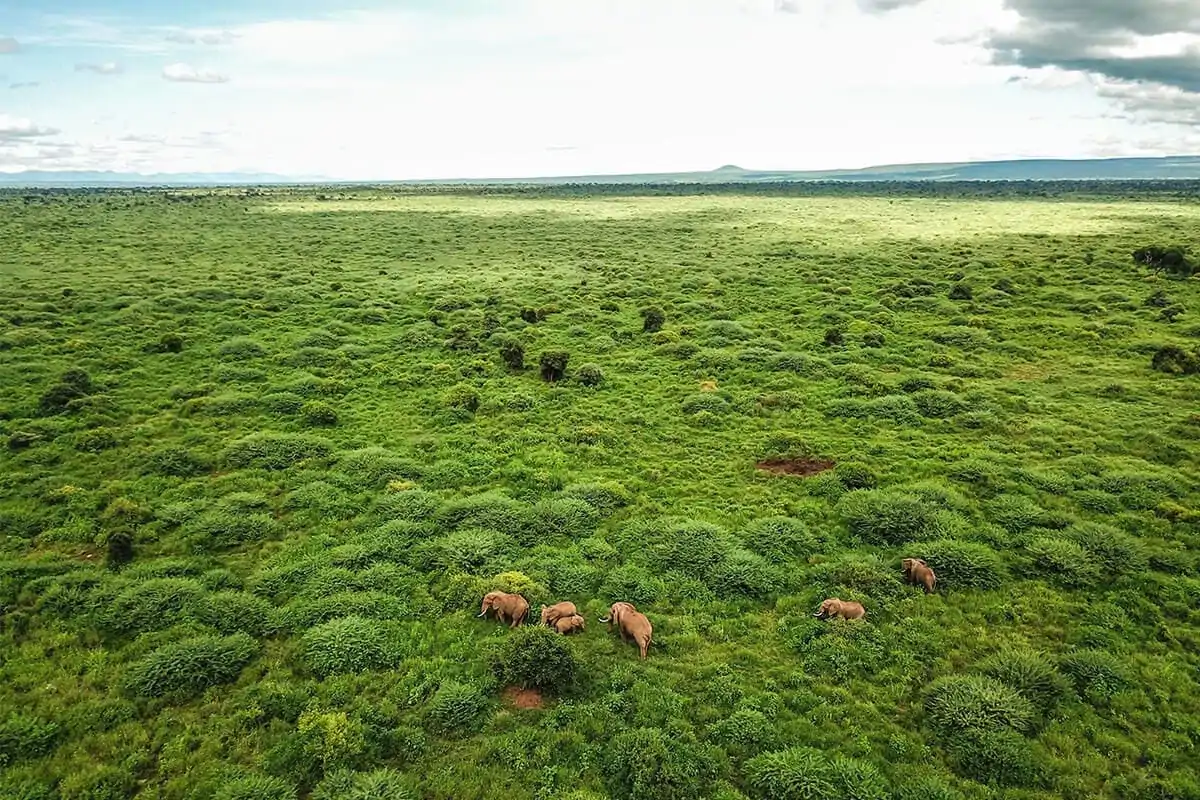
[{"x": 643, "y": 646}]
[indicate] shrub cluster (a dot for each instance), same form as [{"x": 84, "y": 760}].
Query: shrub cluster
[
  {"x": 348, "y": 644},
  {"x": 276, "y": 451},
  {"x": 187, "y": 668},
  {"x": 887, "y": 516},
  {"x": 804, "y": 772},
  {"x": 535, "y": 657}
]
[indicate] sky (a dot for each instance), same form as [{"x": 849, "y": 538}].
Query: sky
[{"x": 368, "y": 89}]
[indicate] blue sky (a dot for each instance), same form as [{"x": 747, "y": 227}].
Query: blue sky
[{"x": 477, "y": 88}]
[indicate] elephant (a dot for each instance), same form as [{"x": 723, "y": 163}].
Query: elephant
[
  {"x": 917, "y": 571},
  {"x": 845, "y": 609},
  {"x": 511, "y": 608},
  {"x": 631, "y": 623},
  {"x": 568, "y": 625},
  {"x": 552, "y": 614}
]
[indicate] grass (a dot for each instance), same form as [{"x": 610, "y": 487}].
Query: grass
[{"x": 307, "y": 417}]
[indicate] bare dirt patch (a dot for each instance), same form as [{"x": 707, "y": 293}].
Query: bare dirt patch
[
  {"x": 800, "y": 467},
  {"x": 523, "y": 698}
]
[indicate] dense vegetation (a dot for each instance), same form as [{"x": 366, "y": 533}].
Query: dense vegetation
[{"x": 265, "y": 450}]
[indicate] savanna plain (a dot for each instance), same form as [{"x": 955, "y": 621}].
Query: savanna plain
[{"x": 265, "y": 450}]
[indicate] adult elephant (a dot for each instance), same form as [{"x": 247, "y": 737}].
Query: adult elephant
[
  {"x": 552, "y": 614},
  {"x": 833, "y": 608},
  {"x": 632, "y": 624},
  {"x": 918, "y": 572},
  {"x": 510, "y": 608}
]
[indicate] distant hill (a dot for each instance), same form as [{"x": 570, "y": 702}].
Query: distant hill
[{"x": 1046, "y": 169}]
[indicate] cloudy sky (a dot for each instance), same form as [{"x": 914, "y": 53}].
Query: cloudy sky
[{"x": 479, "y": 88}]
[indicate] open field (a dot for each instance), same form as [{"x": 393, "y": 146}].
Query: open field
[{"x": 263, "y": 455}]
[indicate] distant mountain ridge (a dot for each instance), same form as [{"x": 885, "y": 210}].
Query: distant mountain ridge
[{"x": 1037, "y": 169}]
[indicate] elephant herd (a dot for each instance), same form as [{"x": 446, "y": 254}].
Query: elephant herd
[{"x": 565, "y": 618}]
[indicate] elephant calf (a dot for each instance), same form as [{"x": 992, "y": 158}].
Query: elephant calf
[
  {"x": 917, "y": 571},
  {"x": 844, "y": 609},
  {"x": 510, "y": 608},
  {"x": 552, "y": 614},
  {"x": 569, "y": 625},
  {"x": 632, "y": 624}
]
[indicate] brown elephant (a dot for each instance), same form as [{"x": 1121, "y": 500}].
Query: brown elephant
[
  {"x": 552, "y": 614},
  {"x": 510, "y": 608},
  {"x": 845, "y": 609},
  {"x": 631, "y": 623},
  {"x": 917, "y": 571},
  {"x": 569, "y": 625}
]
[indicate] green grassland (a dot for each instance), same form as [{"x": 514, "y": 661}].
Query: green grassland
[{"x": 265, "y": 450}]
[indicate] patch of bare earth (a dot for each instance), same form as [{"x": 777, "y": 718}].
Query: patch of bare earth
[
  {"x": 800, "y": 467},
  {"x": 523, "y": 698}
]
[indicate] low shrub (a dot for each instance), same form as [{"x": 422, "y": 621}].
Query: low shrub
[
  {"x": 553, "y": 365},
  {"x": 458, "y": 707},
  {"x": 318, "y": 414},
  {"x": 589, "y": 375},
  {"x": 745, "y": 574},
  {"x": 74, "y": 384},
  {"x": 745, "y": 733},
  {"x": 1016, "y": 513},
  {"x": 961, "y": 564},
  {"x": 230, "y": 612},
  {"x": 178, "y": 462},
  {"x": 462, "y": 396},
  {"x": 23, "y": 736},
  {"x": 792, "y": 774},
  {"x": 256, "y": 787},
  {"x": 376, "y": 467},
  {"x": 652, "y": 319},
  {"x": 118, "y": 549},
  {"x": 276, "y": 451},
  {"x": 1116, "y": 552},
  {"x": 996, "y": 758},
  {"x": 962, "y": 706},
  {"x": 488, "y": 511},
  {"x": 512, "y": 353},
  {"x": 1031, "y": 674},
  {"x": 606, "y": 498},
  {"x": 241, "y": 348},
  {"x": 554, "y": 517},
  {"x": 1064, "y": 561},
  {"x": 380, "y": 784},
  {"x": 535, "y": 657},
  {"x": 151, "y": 605},
  {"x": 349, "y": 644},
  {"x": 886, "y": 516},
  {"x": 853, "y": 475},
  {"x": 1096, "y": 674},
  {"x": 1174, "y": 360},
  {"x": 779, "y": 539},
  {"x": 938, "y": 403},
  {"x": 652, "y": 764},
  {"x": 185, "y": 669}
]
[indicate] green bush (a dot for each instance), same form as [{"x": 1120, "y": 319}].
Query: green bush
[
  {"x": 745, "y": 733},
  {"x": 554, "y": 517},
  {"x": 230, "y": 612},
  {"x": 651, "y": 764},
  {"x": 939, "y": 404},
  {"x": 241, "y": 348},
  {"x": 869, "y": 576},
  {"x": 276, "y": 451},
  {"x": 99, "y": 783},
  {"x": 381, "y": 784},
  {"x": 960, "y": 564},
  {"x": 462, "y": 396},
  {"x": 152, "y": 605},
  {"x": 535, "y": 657},
  {"x": 553, "y": 364},
  {"x": 75, "y": 384},
  {"x": 23, "y": 736},
  {"x": 512, "y": 353},
  {"x": 705, "y": 401},
  {"x": 1065, "y": 561},
  {"x": 886, "y": 516},
  {"x": 1015, "y": 513},
  {"x": 229, "y": 527},
  {"x": 1117, "y": 553},
  {"x": 488, "y": 511},
  {"x": 318, "y": 414},
  {"x": 604, "y": 497},
  {"x": 856, "y": 476},
  {"x": 1031, "y": 674},
  {"x": 779, "y": 539},
  {"x": 745, "y": 574},
  {"x": 996, "y": 758},
  {"x": 1096, "y": 674},
  {"x": 349, "y": 644},
  {"x": 797, "y": 773},
  {"x": 698, "y": 549},
  {"x": 589, "y": 375},
  {"x": 458, "y": 707},
  {"x": 179, "y": 462},
  {"x": 256, "y": 787},
  {"x": 187, "y": 668},
  {"x": 652, "y": 319},
  {"x": 960, "y": 706}
]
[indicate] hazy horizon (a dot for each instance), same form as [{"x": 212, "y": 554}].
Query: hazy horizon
[{"x": 478, "y": 89}]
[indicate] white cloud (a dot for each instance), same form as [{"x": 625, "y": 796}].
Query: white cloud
[
  {"x": 185, "y": 73},
  {"x": 200, "y": 36},
  {"x": 21, "y": 128},
  {"x": 105, "y": 68}
]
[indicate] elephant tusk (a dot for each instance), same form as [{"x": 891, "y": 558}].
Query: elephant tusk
[
  {"x": 606, "y": 619},
  {"x": 483, "y": 614}
]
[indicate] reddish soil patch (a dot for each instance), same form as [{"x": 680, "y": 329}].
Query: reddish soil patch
[
  {"x": 803, "y": 467},
  {"x": 523, "y": 698}
]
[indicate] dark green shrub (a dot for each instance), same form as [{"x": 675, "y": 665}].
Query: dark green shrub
[
  {"x": 961, "y": 564},
  {"x": 168, "y": 343},
  {"x": 256, "y": 787},
  {"x": 873, "y": 339},
  {"x": 886, "y": 516},
  {"x": 381, "y": 784},
  {"x": 96, "y": 440},
  {"x": 1031, "y": 674},
  {"x": 961, "y": 291},
  {"x": 652, "y": 320},
  {"x": 604, "y": 497},
  {"x": 230, "y": 612},
  {"x": 276, "y": 451},
  {"x": 779, "y": 539},
  {"x": 589, "y": 375},
  {"x": 744, "y": 733},
  {"x": 1172, "y": 260},
  {"x": 23, "y": 736},
  {"x": 178, "y": 462},
  {"x": 554, "y": 365},
  {"x": 834, "y": 337},
  {"x": 853, "y": 475},
  {"x": 229, "y": 527},
  {"x": 996, "y": 758},
  {"x": 797, "y": 773},
  {"x": 349, "y": 644},
  {"x": 554, "y": 517},
  {"x": 859, "y": 780},
  {"x": 651, "y": 764},
  {"x": 692, "y": 548},
  {"x": 241, "y": 348},
  {"x": 1116, "y": 552},
  {"x": 98, "y": 783},
  {"x": 960, "y": 706},
  {"x": 1174, "y": 360},
  {"x": 152, "y": 605},
  {"x": 1064, "y": 561},
  {"x": 1097, "y": 675},
  {"x": 118, "y": 549},
  {"x": 705, "y": 401},
  {"x": 745, "y": 574},
  {"x": 74, "y": 384},
  {"x": 318, "y": 414},
  {"x": 1016, "y": 513},
  {"x": 376, "y": 467},
  {"x": 533, "y": 315},
  {"x": 867, "y": 575},
  {"x": 458, "y": 707},
  {"x": 938, "y": 404},
  {"x": 187, "y": 668},
  {"x": 535, "y": 657},
  {"x": 283, "y": 402},
  {"x": 489, "y": 511},
  {"x": 513, "y": 354}
]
